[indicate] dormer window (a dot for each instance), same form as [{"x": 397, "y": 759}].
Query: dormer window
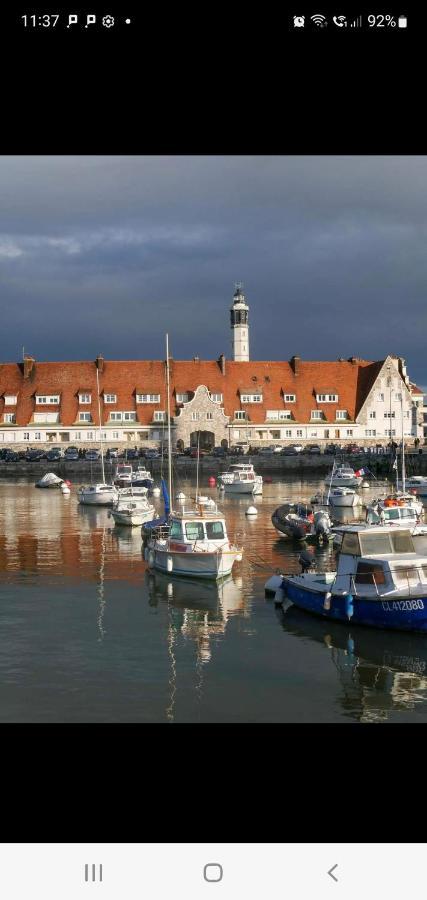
[
  {"x": 10, "y": 399},
  {"x": 251, "y": 398},
  {"x": 148, "y": 398},
  {"x": 341, "y": 414},
  {"x": 110, "y": 398},
  {"x": 317, "y": 414},
  {"x": 85, "y": 398},
  {"x": 47, "y": 399},
  {"x": 327, "y": 398},
  {"x": 182, "y": 398},
  {"x": 289, "y": 398},
  {"x": 216, "y": 398}
]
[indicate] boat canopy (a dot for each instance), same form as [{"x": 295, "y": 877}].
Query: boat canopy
[{"x": 376, "y": 543}]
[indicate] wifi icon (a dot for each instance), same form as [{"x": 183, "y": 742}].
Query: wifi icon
[{"x": 319, "y": 20}]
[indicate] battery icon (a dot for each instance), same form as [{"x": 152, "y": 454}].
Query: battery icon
[{"x": 402, "y": 21}]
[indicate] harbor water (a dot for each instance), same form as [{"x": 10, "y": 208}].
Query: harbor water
[{"x": 88, "y": 634}]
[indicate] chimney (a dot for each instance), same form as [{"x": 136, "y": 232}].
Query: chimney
[
  {"x": 295, "y": 364},
  {"x": 221, "y": 363},
  {"x": 196, "y": 358},
  {"x": 29, "y": 365},
  {"x": 353, "y": 360},
  {"x": 99, "y": 362}
]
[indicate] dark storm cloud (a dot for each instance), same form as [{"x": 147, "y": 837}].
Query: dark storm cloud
[{"x": 106, "y": 253}]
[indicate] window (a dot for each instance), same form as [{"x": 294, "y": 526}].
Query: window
[
  {"x": 289, "y": 398},
  {"x": 89, "y": 435},
  {"x": 182, "y": 398},
  {"x": 381, "y": 398},
  {"x": 215, "y": 531},
  {"x": 194, "y": 531},
  {"x": 195, "y": 416},
  {"x": 9, "y": 418},
  {"x": 110, "y": 398},
  {"x": 327, "y": 398},
  {"x": 370, "y": 573},
  {"x": 251, "y": 398},
  {"x": 176, "y": 530},
  {"x": 370, "y": 432},
  {"x": 349, "y": 432},
  {"x": 350, "y": 544},
  {"x": 372, "y": 415},
  {"x": 129, "y": 416},
  {"x": 299, "y": 432},
  {"x": 159, "y": 416},
  {"x": 85, "y": 417},
  {"x": 390, "y": 432},
  {"x": 26, "y": 435},
  {"x": 288, "y": 432},
  {"x": 46, "y": 417},
  {"x": 37, "y": 436},
  {"x": 387, "y": 415},
  {"x": 10, "y": 399},
  {"x": 240, "y": 414},
  {"x": 317, "y": 414},
  {"x": 77, "y": 435},
  {"x": 85, "y": 398},
  {"x": 313, "y": 433},
  {"x": 209, "y": 416},
  {"x": 115, "y": 435},
  {"x": 279, "y": 414},
  {"x": 47, "y": 398},
  {"x": 341, "y": 414},
  {"x": 398, "y": 396},
  {"x": 151, "y": 398},
  {"x": 216, "y": 398}
]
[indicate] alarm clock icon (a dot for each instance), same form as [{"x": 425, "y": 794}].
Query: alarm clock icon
[{"x": 299, "y": 21}]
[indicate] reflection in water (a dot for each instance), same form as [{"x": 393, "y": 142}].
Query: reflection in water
[
  {"x": 379, "y": 671},
  {"x": 87, "y": 633}
]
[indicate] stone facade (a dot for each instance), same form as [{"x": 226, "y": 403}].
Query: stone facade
[{"x": 201, "y": 414}]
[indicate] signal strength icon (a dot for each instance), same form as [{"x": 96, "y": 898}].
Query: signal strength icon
[
  {"x": 319, "y": 20},
  {"x": 357, "y": 23}
]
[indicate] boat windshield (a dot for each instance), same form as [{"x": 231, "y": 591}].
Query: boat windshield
[
  {"x": 176, "y": 530},
  {"x": 396, "y": 542},
  {"x": 194, "y": 531},
  {"x": 215, "y": 530}
]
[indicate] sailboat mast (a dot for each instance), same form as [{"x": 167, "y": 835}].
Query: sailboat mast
[
  {"x": 403, "y": 448},
  {"x": 169, "y": 420},
  {"x": 100, "y": 427}
]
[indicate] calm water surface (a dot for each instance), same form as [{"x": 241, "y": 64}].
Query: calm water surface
[{"x": 88, "y": 635}]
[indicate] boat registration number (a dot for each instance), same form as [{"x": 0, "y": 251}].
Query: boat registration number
[{"x": 407, "y": 605}]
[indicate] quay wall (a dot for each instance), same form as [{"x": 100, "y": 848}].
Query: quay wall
[{"x": 276, "y": 466}]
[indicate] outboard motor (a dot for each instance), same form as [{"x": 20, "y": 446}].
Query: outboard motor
[
  {"x": 305, "y": 560},
  {"x": 322, "y": 525}
]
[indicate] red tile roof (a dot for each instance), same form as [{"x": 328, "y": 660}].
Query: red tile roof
[{"x": 352, "y": 382}]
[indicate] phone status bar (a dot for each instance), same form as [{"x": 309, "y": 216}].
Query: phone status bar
[
  {"x": 74, "y": 21},
  {"x": 318, "y": 22}
]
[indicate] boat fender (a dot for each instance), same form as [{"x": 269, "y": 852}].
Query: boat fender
[
  {"x": 327, "y": 600},
  {"x": 169, "y": 564},
  {"x": 151, "y": 558},
  {"x": 349, "y": 608}
]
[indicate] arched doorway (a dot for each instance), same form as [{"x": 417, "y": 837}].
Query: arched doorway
[
  {"x": 180, "y": 445},
  {"x": 206, "y": 438},
  {"x": 224, "y": 444}
]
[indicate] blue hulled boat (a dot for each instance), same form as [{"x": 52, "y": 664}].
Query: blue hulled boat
[{"x": 380, "y": 581}]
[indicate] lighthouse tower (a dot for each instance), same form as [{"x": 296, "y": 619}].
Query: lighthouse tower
[{"x": 240, "y": 325}]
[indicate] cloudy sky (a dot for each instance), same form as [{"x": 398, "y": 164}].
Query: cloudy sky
[{"x": 104, "y": 254}]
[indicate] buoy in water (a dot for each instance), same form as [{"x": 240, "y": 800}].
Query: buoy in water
[
  {"x": 251, "y": 511},
  {"x": 211, "y": 481},
  {"x": 365, "y": 484},
  {"x": 180, "y": 496},
  {"x": 65, "y": 490},
  {"x": 156, "y": 492}
]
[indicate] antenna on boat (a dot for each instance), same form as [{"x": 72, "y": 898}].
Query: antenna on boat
[
  {"x": 100, "y": 427},
  {"x": 169, "y": 419}
]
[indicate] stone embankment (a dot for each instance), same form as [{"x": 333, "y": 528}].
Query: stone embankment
[{"x": 82, "y": 470}]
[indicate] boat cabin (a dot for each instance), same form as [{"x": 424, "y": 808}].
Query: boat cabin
[
  {"x": 188, "y": 531},
  {"x": 379, "y": 561},
  {"x": 405, "y": 515}
]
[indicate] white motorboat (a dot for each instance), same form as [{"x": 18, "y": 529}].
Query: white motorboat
[
  {"x": 192, "y": 543},
  {"x": 398, "y": 516},
  {"x": 136, "y": 491},
  {"x": 226, "y": 478},
  {"x": 128, "y": 510},
  {"x": 417, "y": 483},
  {"x": 189, "y": 542},
  {"x": 123, "y": 476},
  {"x": 343, "y": 496},
  {"x": 97, "y": 494},
  {"x": 142, "y": 477},
  {"x": 50, "y": 480},
  {"x": 400, "y": 499},
  {"x": 344, "y": 476}
]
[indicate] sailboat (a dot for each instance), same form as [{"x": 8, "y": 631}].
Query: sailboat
[
  {"x": 100, "y": 494},
  {"x": 191, "y": 542}
]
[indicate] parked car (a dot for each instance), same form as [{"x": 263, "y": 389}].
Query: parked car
[
  {"x": 54, "y": 454},
  {"x": 243, "y": 447},
  {"x": 265, "y": 451},
  {"x": 10, "y": 456},
  {"x": 219, "y": 451},
  {"x": 152, "y": 454},
  {"x": 289, "y": 451},
  {"x": 132, "y": 454},
  {"x": 277, "y": 448},
  {"x": 112, "y": 453},
  {"x": 33, "y": 455},
  {"x": 353, "y": 448},
  {"x": 92, "y": 455},
  {"x": 71, "y": 454},
  {"x": 312, "y": 449}
]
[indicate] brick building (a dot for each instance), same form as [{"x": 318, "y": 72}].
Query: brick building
[{"x": 227, "y": 401}]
